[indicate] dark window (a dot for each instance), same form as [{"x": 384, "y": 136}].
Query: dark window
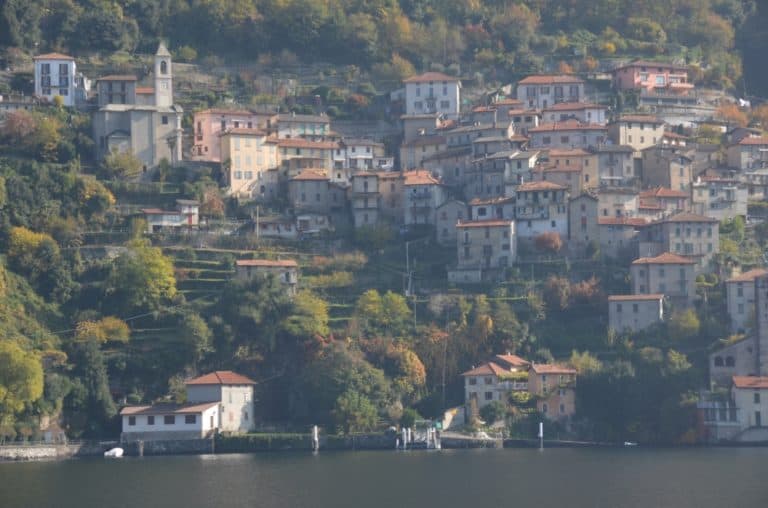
[
  {"x": 169, "y": 419},
  {"x": 131, "y": 420},
  {"x": 488, "y": 395},
  {"x": 729, "y": 361},
  {"x": 718, "y": 361},
  {"x": 190, "y": 419},
  {"x": 150, "y": 420},
  {"x": 473, "y": 381},
  {"x": 165, "y": 120}
]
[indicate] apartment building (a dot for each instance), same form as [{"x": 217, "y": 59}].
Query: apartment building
[{"x": 248, "y": 155}]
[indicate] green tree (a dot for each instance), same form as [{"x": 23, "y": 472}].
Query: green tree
[
  {"x": 684, "y": 325},
  {"x": 142, "y": 278},
  {"x": 21, "y": 380},
  {"x": 493, "y": 412},
  {"x": 354, "y": 412},
  {"x": 121, "y": 165},
  {"x": 309, "y": 316}
]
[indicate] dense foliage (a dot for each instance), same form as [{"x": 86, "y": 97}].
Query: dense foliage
[{"x": 394, "y": 36}]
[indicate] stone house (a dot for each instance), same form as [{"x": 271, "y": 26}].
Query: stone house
[
  {"x": 718, "y": 197},
  {"x": 580, "y": 111},
  {"x": 619, "y": 236},
  {"x": 310, "y": 191},
  {"x": 285, "y": 270},
  {"x": 422, "y": 195},
  {"x": 541, "y": 207},
  {"x": 616, "y": 166},
  {"x": 634, "y": 313},
  {"x": 667, "y": 274},
  {"x": 618, "y": 202},
  {"x": 364, "y": 198},
  {"x": 568, "y": 134},
  {"x": 665, "y": 166},
  {"x": 449, "y": 214},
  {"x": 433, "y": 92},
  {"x": 415, "y": 151},
  {"x": 740, "y": 297},
  {"x": 541, "y": 92},
  {"x": 750, "y": 152},
  {"x": 485, "y": 249},
  {"x": 686, "y": 234},
  {"x": 637, "y": 131},
  {"x": 582, "y": 221},
  {"x": 311, "y": 127}
]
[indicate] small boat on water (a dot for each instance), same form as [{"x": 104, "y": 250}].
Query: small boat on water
[
  {"x": 630, "y": 443},
  {"x": 114, "y": 453}
]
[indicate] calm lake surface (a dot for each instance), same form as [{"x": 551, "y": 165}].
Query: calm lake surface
[{"x": 562, "y": 478}]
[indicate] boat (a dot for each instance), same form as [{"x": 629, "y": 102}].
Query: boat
[
  {"x": 114, "y": 453},
  {"x": 630, "y": 443}
]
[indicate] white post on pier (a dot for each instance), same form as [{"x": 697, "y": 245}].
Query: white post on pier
[
  {"x": 405, "y": 438},
  {"x": 315, "y": 439},
  {"x": 541, "y": 435}
]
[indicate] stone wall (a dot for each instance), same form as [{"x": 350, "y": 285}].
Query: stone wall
[
  {"x": 169, "y": 447},
  {"x": 53, "y": 451}
]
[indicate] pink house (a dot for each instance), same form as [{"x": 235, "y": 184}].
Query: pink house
[
  {"x": 652, "y": 77},
  {"x": 209, "y": 124}
]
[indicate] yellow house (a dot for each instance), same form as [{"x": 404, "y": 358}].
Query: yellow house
[
  {"x": 247, "y": 155},
  {"x": 554, "y": 385}
]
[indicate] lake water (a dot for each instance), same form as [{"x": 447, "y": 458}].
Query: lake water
[{"x": 562, "y": 478}]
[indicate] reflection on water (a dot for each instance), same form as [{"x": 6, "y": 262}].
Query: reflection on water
[{"x": 680, "y": 478}]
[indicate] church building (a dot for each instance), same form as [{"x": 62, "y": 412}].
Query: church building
[{"x": 140, "y": 120}]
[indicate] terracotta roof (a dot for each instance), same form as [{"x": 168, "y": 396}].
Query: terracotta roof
[
  {"x": 674, "y": 135},
  {"x": 568, "y": 125},
  {"x": 539, "y": 186},
  {"x": 649, "y": 204},
  {"x": 419, "y": 177},
  {"x": 630, "y": 298},
  {"x": 753, "y": 382},
  {"x": 145, "y": 90},
  {"x": 522, "y": 112},
  {"x": 238, "y": 112},
  {"x": 389, "y": 175},
  {"x": 118, "y": 77},
  {"x": 514, "y": 360},
  {"x": 491, "y": 201},
  {"x": 486, "y": 369},
  {"x": 574, "y": 106},
  {"x": 640, "y": 118},
  {"x": 749, "y": 276},
  {"x": 484, "y": 223},
  {"x": 53, "y": 56},
  {"x": 562, "y": 152},
  {"x": 751, "y": 140},
  {"x": 430, "y": 76},
  {"x": 539, "y": 79},
  {"x": 483, "y": 109},
  {"x": 306, "y": 143},
  {"x": 168, "y": 409},
  {"x": 242, "y": 130},
  {"x": 221, "y": 377},
  {"x": 543, "y": 368},
  {"x": 648, "y": 63},
  {"x": 666, "y": 258},
  {"x": 508, "y": 102},
  {"x": 663, "y": 192},
  {"x": 310, "y": 174},
  {"x": 621, "y": 221},
  {"x": 688, "y": 217},
  {"x": 156, "y": 211}
]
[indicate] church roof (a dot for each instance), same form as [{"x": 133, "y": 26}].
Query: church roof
[{"x": 162, "y": 50}]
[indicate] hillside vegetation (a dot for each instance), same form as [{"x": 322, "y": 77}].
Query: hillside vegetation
[{"x": 497, "y": 37}]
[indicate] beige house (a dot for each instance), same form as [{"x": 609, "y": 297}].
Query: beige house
[
  {"x": 542, "y": 207},
  {"x": 618, "y": 202},
  {"x": 619, "y": 236},
  {"x": 298, "y": 154},
  {"x": 582, "y": 221},
  {"x": 740, "y": 296},
  {"x": 568, "y": 134},
  {"x": 485, "y": 248},
  {"x": 422, "y": 195},
  {"x": 616, "y": 166},
  {"x": 749, "y": 153},
  {"x": 665, "y": 166},
  {"x": 524, "y": 119},
  {"x": 494, "y": 380},
  {"x": 585, "y": 160},
  {"x": 310, "y": 191},
  {"x": 450, "y": 165},
  {"x": 414, "y": 151},
  {"x": 667, "y": 274},
  {"x": 686, "y": 234},
  {"x": 210, "y": 124},
  {"x": 391, "y": 192},
  {"x": 285, "y": 270},
  {"x": 493, "y": 208},
  {"x": 637, "y": 131},
  {"x": 555, "y": 386},
  {"x": 149, "y": 128},
  {"x": 233, "y": 392},
  {"x": 449, "y": 214},
  {"x": 415, "y": 126},
  {"x": 247, "y": 155},
  {"x": 364, "y": 198},
  {"x": 634, "y": 312},
  {"x": 666, "y": 201},
  {"x": 541, "y": 92}
]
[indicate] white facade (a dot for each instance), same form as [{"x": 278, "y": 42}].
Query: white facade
[
  {"x": 541, "y": 92},
  {"x": 191, "y": 421},
  {"x": 235, "y": 401},
  {"x": 542, "y": 207},
  {"x": 55, "y": 75},
  {"x": 568, "y": 134},
  {"x": 433, "y": 92}
]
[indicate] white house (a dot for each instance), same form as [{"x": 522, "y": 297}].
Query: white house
[
  {"x": 541, "y": 207},
  {"x": 186, "y": 215},
  {"x": 433, "y": 92},
  {"x": 286, "y": 270},
  {"x": 55, "y": 75},
  {"x": 221, "y": 401},
  {"x": 541, "y": 92}
]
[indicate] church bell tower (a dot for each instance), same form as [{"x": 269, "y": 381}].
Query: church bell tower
[{"x": 163, "y": 77}]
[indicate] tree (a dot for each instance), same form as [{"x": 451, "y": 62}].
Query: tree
[
  {"x": 121, "y": 165},
  {"x": 106, "y": 329},
  {"x": 92, "y": 400},
  {"x": 585, "y": 363},
  {"x": 556, "y": 293},
  {"x": 21, "y": 380},
  {"x": 195, "y": 336},
  {"x": 309, "y": 316},
  {"x": 354, "y": 412},
  {"x": 731, "y": 113},
  {"x": 493, "y": 412},
  {"x": 142, "y": 278},
  {"x": 549, "y": 242},
  {"x": 683, "y": 325},
  {"x": 409, "y": 417}
]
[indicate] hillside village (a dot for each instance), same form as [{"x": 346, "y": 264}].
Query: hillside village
[{"x": 541, "y": 187}]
